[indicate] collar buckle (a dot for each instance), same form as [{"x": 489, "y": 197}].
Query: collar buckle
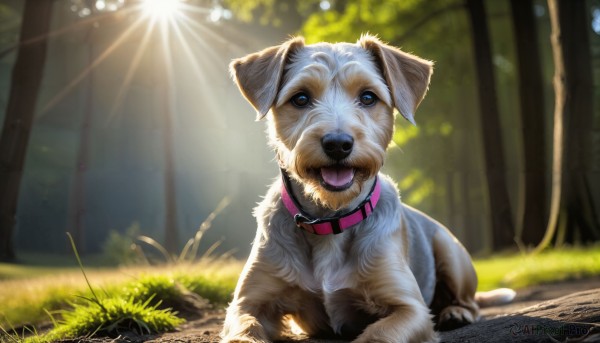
[{"x": 300, "y": 219}]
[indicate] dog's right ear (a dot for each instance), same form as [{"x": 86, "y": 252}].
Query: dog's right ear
[{"x": 258, "y": 75}]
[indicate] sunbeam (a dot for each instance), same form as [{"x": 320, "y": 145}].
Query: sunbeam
[
  {"x": 204, "y": 30},
  {"x": 188, "y": 51},
  {"x": 199, "y": 71},
  {"x": 133, "y": 66},
  {"x": 168, "y": 65},
  {"x": 185, "y": 22},
  {"x": 169, "y": 15},
  {"x": 120, "y": 40},
  {"x": 67, "y": 29}
]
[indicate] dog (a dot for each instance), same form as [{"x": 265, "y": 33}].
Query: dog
[{"x": 336, "y": 251}]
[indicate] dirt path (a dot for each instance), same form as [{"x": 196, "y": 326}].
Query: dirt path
[{"x": 520, "y": 321}]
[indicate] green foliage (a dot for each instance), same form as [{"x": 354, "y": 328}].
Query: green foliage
[
  {"x": 11, "y": 20},
  {"x": 110, "y": 315},
  {"x": 519, "y": 271},
  {"x": 166, "y": 291},
  {"x": 213, "y": 281},
  {"x": 391, "y": 20},
  {"x": 113, "y": 315},
  {"x": 120, "y": 249},
  {"x": 148, "y": 286},
  {"x": 417, "y": 187},
  {"x": 214, "y": 288},
  {"x": 13, "y": 336},
  {"x": 270, "y": 12}
]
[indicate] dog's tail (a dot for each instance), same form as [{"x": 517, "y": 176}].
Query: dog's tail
[{"x": 495, "y": 297}]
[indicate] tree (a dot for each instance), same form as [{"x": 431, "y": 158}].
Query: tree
[
  {"x": 25, "y": 83},
  {"x": 165, "y": 85},
  {"x": 502, "y": 221},
  {"x": 531, "y": 101},
  {"x": 572, "y": 208},
  {"x": 78, "y": 208}
]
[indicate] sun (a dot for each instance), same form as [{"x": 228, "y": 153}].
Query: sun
[{"x": 161, "y": 9}]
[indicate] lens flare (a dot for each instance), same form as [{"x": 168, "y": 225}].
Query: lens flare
[{"x": 161, "y": 9}]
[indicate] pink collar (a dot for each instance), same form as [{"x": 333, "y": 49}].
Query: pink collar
[{"x": 328, "y": 225}]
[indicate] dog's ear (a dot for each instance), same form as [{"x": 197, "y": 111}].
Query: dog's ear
[
  {"x": 407, "y": 76},
  {"x": 258, "y": 75}
]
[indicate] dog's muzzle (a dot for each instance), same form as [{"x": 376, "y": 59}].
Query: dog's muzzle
[{"x": 337, "y": 177}]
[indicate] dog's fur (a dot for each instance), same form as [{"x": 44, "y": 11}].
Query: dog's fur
[{"x": 383, "y": 280}]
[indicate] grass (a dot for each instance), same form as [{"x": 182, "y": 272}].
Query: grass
[
  {"x": 25, "y": 301},
  {"x": 143, "y": 304},
  {"x": 518, "y": 271},
  {"x": 110, "y": 316},
  {"x": 137, "y": 306},
  {"x": 29, "y": 267},
  {"x": 25, "y": 298}
]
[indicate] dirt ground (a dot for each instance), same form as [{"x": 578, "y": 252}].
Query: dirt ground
[{"x": 573, "y": 316}]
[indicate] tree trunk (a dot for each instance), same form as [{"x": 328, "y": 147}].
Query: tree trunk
[
  {"x": 571, "y": 204},
  {"x": 26, "y": 78},
  {"x": 532, "y": 219},
  {"x": 581, "y": 218},
  {"x": 171, "y": 230},
  {"x": 78, "y": 208},
  {"x": 501, "y": 213},
  {"x": 165, "y": 87}
]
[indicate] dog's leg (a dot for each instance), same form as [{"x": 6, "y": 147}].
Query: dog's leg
[
  {"x": 394, "y": 293},
  {"x": 454, "y": 303},
  {"x": 255, "y": 314},
  {"x": 311, "y": 317},
  {"x": 405, "y": 324}
]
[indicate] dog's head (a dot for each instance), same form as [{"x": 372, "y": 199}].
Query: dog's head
[{"x": 330, "y": 108}]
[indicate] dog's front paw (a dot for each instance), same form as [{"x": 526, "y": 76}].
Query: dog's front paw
[
  {"x": 453, "y": 317},
  {"x": 243, "y": 329},
  {"x": 397, "y": 329},
  {"x": 246, "y": 337},
  {"x": 429, "y": 337},
  {"x": 250, "y": 335},
  {"x": 243, "y": 339}
]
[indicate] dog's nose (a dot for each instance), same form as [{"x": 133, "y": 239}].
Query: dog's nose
[{"x": 337, "y": 145}]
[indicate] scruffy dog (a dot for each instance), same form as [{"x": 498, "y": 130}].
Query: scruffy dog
[{"x": 335, "y": 249}]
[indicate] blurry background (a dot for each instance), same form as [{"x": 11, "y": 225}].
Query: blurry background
[{"x": 137, "y": 128}]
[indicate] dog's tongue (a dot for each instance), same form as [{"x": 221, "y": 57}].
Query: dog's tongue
[{"x": 337, "y": 176}]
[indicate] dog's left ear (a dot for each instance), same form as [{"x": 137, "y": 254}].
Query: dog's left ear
[
  {"x": 259, "y": 75},
  {"x": 407, "y": 75}
]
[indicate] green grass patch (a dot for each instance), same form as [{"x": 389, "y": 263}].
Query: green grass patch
[
  {"x": 162, "y": 287},
  {"x": 110, "y": 316},
  {"x": 218, "y": 289},
  {"x": 518, "y": 271},
  {"x": 25, "y": 301}
]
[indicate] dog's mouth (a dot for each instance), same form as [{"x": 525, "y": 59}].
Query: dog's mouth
[{"x": 336, "y": 178}]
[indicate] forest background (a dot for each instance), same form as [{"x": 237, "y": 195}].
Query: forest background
[{"x": 116, "y": 123}]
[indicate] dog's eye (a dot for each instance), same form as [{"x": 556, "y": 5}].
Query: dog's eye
[
  {"x": 368, "y": 98},
  {"x": 300, "y": 100}
]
